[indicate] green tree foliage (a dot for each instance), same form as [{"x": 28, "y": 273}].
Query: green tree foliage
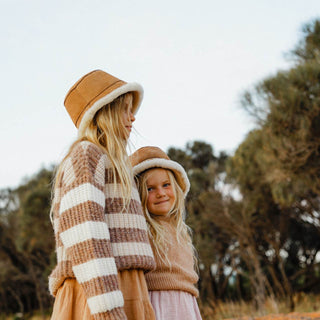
[
  {"x": 308, "y": 48},
  {"x": 290, "y": 105},
  {"x": 277, "y": 170},
  {"x": 26, "y": 245}
]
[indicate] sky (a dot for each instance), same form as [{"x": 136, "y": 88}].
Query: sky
[{"x": 194, "y": 59}]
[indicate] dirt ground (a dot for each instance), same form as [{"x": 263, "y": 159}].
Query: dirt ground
[{"x": 290, "y": 316}]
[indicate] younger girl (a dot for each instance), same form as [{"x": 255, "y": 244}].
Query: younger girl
[
  {"x": 163, "y": 185},
  {"x": 101, "y": 234}
]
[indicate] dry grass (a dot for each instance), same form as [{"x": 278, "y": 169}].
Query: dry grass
[
  {"x": 18, "y": 317},
  {"x": 307, "y": 307}
]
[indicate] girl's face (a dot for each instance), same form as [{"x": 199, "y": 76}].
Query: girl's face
[
  {"x": 161, "y": 196},
  {"x": 127, "y": 115}
]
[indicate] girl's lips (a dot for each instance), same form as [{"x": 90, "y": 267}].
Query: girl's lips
[{"x": 160, "y": 202}]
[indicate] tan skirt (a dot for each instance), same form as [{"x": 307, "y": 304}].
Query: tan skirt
[{"x": 71, "y": 302}]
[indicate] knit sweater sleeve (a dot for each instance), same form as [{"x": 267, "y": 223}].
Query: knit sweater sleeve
[{"x": 85, "y": 233}]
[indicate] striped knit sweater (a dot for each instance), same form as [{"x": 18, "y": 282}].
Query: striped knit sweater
[{"x": 94, "y": 238}]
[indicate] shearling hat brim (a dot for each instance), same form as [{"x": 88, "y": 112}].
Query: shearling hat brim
[{"x": 133, "y": 87}]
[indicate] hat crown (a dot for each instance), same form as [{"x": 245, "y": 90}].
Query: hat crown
[
  {"x": 87, "y": 90},
  {"x": 146, "y": 153}
]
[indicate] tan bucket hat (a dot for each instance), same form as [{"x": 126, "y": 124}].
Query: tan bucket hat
[
  {"x": 93, "y": 91},
  {"x": 153, "y": 157}
]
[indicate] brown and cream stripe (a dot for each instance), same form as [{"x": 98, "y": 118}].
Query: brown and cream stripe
[{"x": 95, "y": 237}]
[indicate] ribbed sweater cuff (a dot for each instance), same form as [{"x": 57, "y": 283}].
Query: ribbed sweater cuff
[
  {"x": 114, "y": 314},
  {"x": 161, "y": 282}
]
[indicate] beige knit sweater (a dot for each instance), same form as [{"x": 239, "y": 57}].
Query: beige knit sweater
[
  {"x": 94, "y": 238},
  {"x": 181, "y": 276}
]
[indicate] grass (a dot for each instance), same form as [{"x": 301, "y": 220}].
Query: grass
[
  {"x": 236, "y": 310},
  {"x": 26, "y": 317},
  {"x": 244, "y": 310}
]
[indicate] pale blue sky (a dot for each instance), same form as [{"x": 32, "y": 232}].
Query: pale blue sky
[{"x": 193, "y": 58}]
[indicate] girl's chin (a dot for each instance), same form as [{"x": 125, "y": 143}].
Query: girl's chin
[{"x": 160, "y": 214}]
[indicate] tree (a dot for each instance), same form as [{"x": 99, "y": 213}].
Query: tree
[
  {"x": 290, "y": 103},
  {"x": 26, "y": 245},
  {"x": 277, "y": 168}
]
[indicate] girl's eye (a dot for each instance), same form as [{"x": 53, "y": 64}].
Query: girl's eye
[
  {"x": 149, "y": 189},
  {"x": 166, "y": 185}
]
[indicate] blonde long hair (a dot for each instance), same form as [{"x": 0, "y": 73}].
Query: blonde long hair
[
  {"x": 176, "y": 216},
  {"x": 108, "y": 132}
]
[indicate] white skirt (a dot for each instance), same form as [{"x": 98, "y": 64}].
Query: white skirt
[{"x": 174, "y": 305}]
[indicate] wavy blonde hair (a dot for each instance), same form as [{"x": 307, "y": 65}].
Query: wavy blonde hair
[
  {"x": 157, "y": 232},
  {"x": 107, "y": 131}
]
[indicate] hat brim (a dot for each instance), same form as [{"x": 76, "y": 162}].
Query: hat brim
[
  {"x": 178, "y": 171},
  {"x": 133, "y": 87}
]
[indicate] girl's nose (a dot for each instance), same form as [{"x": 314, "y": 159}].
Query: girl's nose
[{"x": 160, "y": 193}]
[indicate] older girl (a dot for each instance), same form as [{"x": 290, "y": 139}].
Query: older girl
[{"x": 101, "y": 234}]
